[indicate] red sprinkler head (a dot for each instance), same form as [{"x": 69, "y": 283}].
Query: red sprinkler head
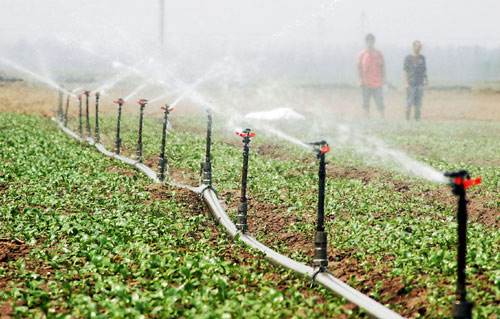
[
  {"x": 87, "y": 93},
  {"x": 142, "y": 102},
  {"x": 120, "y": 101},
  {"x": 321, "y": 147},
  {"x": 461, "y": 180},
  {"x": 466, "y": 182},
  {"x": 245, "y": 133},
  {"x": 167, "y": 108}
]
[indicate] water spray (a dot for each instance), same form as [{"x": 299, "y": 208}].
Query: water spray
[
  {"x": 206, "y": 167},
  {"x": 320, "y": 260},
  {"x": 118, "y": 140},
  {"x": 66, "y": 111},
  {"x": 96, "y": 132},
  {"x": 142, "y": 103},
  {"x": 459, "y": 182},
  {"x": 163, "y": 159},
  {"x": 80, "y": 115},
  {"x": 241, "y": 222},
  {"x": 87, "y": 118}
]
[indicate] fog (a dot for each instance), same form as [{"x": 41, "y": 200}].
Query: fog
[
  {"x": 236, "y": 57},
  {"x": 300, "y": 41}
]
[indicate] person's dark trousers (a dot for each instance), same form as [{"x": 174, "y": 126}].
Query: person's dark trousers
[
  {"x": 414, "y": 97},
  {"x": 377, "y": 95}
]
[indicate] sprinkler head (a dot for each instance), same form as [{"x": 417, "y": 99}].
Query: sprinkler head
[
  {"x": 97, "y": 94},
  {"x": 120, "y": 101},
  {"x": 320, "y": 147},
  {"x": 245, "y": 133},
  {"x": 142, "y": 102},
  {"x": 79, "y": 97},
  {"x": 87, "y": 93},
  {"x": 461, "y": 180},
  {"x": 167, "y": 108}
]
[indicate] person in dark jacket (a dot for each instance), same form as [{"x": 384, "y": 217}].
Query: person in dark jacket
[{"x": 415, "y": 67}]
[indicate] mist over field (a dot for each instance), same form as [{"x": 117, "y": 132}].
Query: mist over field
[{"x": 302, "y": 42}]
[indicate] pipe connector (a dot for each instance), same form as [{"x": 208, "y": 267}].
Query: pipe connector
[{"x": 320, "y": 260}]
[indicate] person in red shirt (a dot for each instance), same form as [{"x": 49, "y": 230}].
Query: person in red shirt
[{"x": 371, "y": 68}]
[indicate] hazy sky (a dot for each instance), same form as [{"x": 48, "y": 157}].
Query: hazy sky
[{"x": 460, "y": 22}]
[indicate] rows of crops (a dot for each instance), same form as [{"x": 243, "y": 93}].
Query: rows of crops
[
  {"x": 411, "y": 266},
  {"x": 88, "y": 237}
]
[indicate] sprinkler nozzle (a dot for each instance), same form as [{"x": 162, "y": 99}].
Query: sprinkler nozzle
[
  {"x": 120, "y": 101},
  {"x": 246, "y": 133},
  {"x": 320, "y": 147},
  {"x": 167, "y": 108},
  {"x": 142, "y": 102},
  {"x": 461, "y": 179},
  {"x": 87, "y": 93}
]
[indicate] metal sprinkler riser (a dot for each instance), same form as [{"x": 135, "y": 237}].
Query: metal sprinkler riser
[
  {"x": 118, "y": 140},
  {"x": 320, "y": 259},
  {"x": 66, "y": 111},
  {"x": 60, "y": 105},
  {"x": 96, "y": 129},
  {"x": 459, "y": 182},
  {"x": 80, "y": 116},
  {"x": 241, "y": 217},
  {"x": 206, "y": 166},
  {"x": 87, "y": 115},
  {"x": 163, "y": 159},
  {"x": 142, "y": 104}
]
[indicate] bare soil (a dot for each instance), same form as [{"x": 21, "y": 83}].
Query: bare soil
[
  {"x": 12, "y": 249},
  {"x": 271, "y": 221}
]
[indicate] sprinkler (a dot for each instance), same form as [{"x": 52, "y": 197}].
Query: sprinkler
[
  {"x": 206, "y": 167},
  {"x": 80, "y": 115},
  {"x": 96, "y": 132},
  {"x": 118, "y": 140},
  {"x": 142, "y": 103},
  {"x": 241, "y": 222},
  {"x": 66, "y": 111},
  {"x": 320, "y": 260},
  {"x": 459, "y": 182},
  {"x": 87, "y": 93},
  {"x": 163, "y": 160},
  {"x": 60, "y": 106}
]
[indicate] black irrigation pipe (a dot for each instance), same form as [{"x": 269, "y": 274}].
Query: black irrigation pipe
[{"x": 459, "y": 181}]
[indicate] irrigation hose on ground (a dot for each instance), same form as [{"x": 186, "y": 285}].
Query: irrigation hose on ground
[{"x": 210, "y": 197}]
